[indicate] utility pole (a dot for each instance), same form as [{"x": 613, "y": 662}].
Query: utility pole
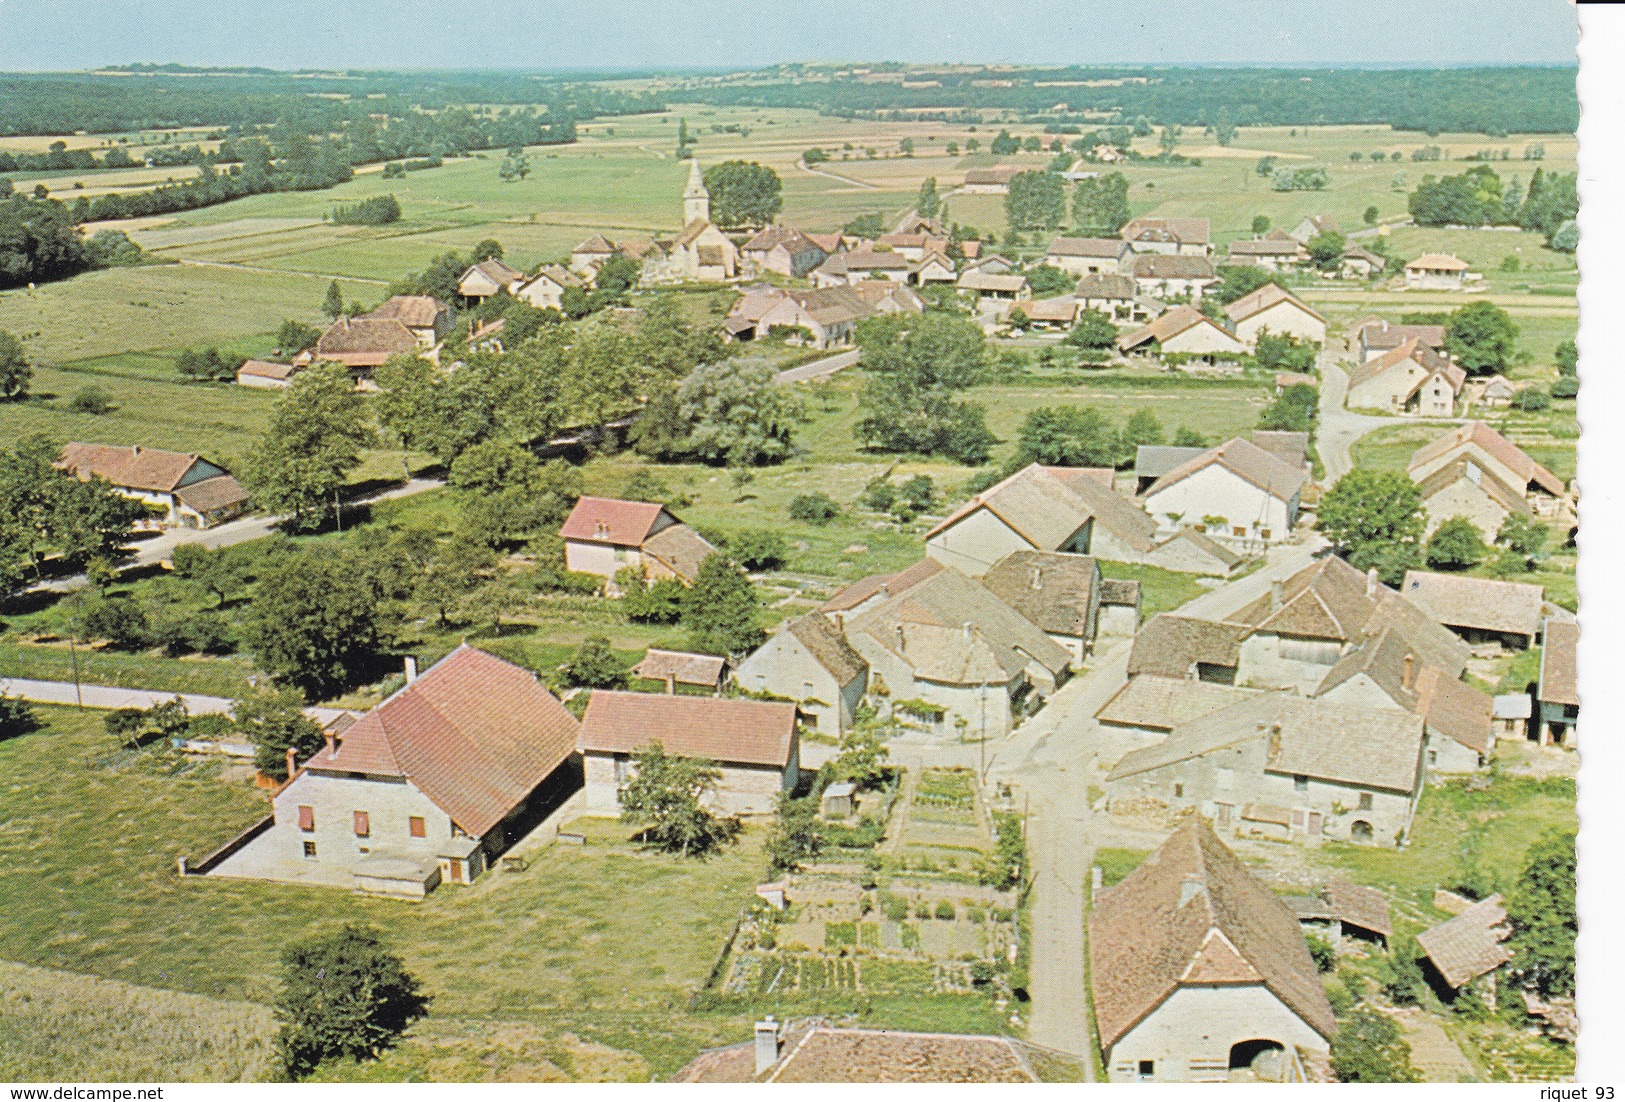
[
  {"x": 73, "y": 656},
  {"x": 338, "y": 511}
]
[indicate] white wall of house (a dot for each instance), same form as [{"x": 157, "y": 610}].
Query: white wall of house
[
  {"x": 1204, "y": 340},
  {"x": 1422, "y": 280},
  {"x": 1218, "y": 492},
  {"x": 785, "y": 667},
  {"x": 1437, "y": 398},
  {"x": 1188, "y": 1037},
  {"x": 1118, "y": 621},
  {"x": 1173, "y": 288},
  {"x": 1465, "y": 498},
  {"x": 966, "y": 702},
  {"x": 1387, "y": 391},
  {"x": 743, "y": 790},
  {"x": 602, "y": 559},
  {"x": 975, "y": 542},
  {"x": 1441, "y": 755},
  {"x": 390, "y": 804},
  {"x": 1283, "y": 318},
  {"x": 543, "y": 293},
  {"x": 1270, "y": 661}
]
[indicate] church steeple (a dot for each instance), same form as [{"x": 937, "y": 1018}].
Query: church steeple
[{"x": 696, "y": 200}]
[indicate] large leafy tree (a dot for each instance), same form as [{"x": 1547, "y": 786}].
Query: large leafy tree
[
  {"x": 1100, "y": 205},
  {"x": 1093, "y": 329},
  {"x": 1457, "y": 544},
  {"x": 313, "y": 622},
  {"x": 1544, "y": 917},
  {"x": 743, "y": 193},
  {"x": 1036, "y": 200},
  {"x": 275, "y": 722},
  {"x": 928, "y": 202},
  {"x": 1326, "y": 249},
  {"x": 666, "y": 795},
  {"x": 916, "y": 368},
  {"x": 314, "y": 440},
  {"x": 1069, "y": 436},
  {"x": 1481, "y": 337},
  {"x": 15, "y": 370},
  {"x": 344, "y": 994},
  {"x": 1376, "y": 517},
  {"x": 724, "y": 414},
  {"x": 43, "y": 509},
  {"x": 798, "y": 836},
  {"x": 719, "y": 611}
]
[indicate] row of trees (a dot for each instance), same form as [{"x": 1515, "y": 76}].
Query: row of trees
[{"x": 1479, "y": 197}]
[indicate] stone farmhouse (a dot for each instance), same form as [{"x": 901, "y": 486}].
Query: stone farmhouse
[
  {"x": 1165, "y": 276},
  {"x": 1408, "y": 379},
  {"x": 1376, "y": 336},
  {"x": 1186, "y": 331},
  {"x": 486, "y": 278},
  {"x": 809, "y": 661},
  {"x": 425, "y": 317},
  {"x": 604, "y": 536},
  {"x": 1280, "y": 766},
  {"x": 430, "y": 786},
  {"x": 1081, "y": 256},
  {"x": 1558, "y": 691},
  {"x": 587, "y": 257},
  {"x": 1359, "y": 262},
  {"x": 1480, "y": 610},
  {"x": 1152, "y": 461},
  {"x": 1241, "y": 494},
  {"x": 1274, "y": 309},
  {"x": 1200, "y": 973},
  {"x": 1169, "y": 236},
  {"x": 1495, "y": 454},
  {"x": 1059, "y": 592},
  {"x": 1153, "y": 705},
  {"x": 1463, "y": 488},
  {"x": 1274, "y": 253},
  {"x": 265, "y": 374},
  {"x": 846, "y": 268},
  {"x": 181, "y": 490},
  {"x": 990, "y": 181},
  {"x": 1116, "y": 296},
  {"x": 1436, "y": 272},
  {"x": 811, "y": 1050},
  {"x": 545, "y": 290},
  {"x": 1312, "y": 226},
  {"x": 755, "y": 743},
  {"x": 784, "y": 250},
  {"x": 363, "y": 343},
  {"x": 986, "y": 284}
]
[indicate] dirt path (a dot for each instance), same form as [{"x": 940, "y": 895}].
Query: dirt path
[
  {"x": 1339, "y": 428},
  {"x": 279, "y": 271},
  {"x": 805, "y": 167},
  {"x": 1432, "y": 1051}
]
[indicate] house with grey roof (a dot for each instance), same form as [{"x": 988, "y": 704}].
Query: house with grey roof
[
  {"x": 1480, "y": 610},
  {"x": 809, "y": 661},
  {"x": 1280, "y": 766},
  {"x": 1241, "y": 494},
  {"x": 1059, "y": 592},
  {"x": 1559, "y": 688},
  {"x": 1081, "y": 256}
]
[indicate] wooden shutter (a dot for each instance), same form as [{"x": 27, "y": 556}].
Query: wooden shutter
[
  {"x": 415, "y": 824},
  {"x": 307, "y": 817},
  {"x": 363, "y": 826}
]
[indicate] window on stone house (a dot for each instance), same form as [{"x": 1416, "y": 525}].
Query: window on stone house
[
  {"x": 1300, "y": 783},
  {"x": 1264, "y": 533},
  {"x": 1148, "y": 1069},
  {"x": 1179, "y": 790},
  {"x": 307, "y": 817},
  {"x": 416, "y": 826},
  {"x": 1365, "y": 801},
  {"x": 623, "y": 768},
  {"x": 1238, "y": 530},
  {"x": 310, "y": 849},
  {"x": 363, "y": 824}
]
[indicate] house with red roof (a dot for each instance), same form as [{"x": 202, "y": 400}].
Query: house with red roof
[
  {"x": 755, "y": 743},
  {"x": 430, "y": 786},
  {"x": 605, "y": 535},
  {"x": 187, "y": 489}
]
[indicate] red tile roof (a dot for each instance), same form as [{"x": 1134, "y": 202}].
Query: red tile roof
[
  {"x": 134, "y": 468},
  {"x": 745, "y": 732},
  {"x": 611, "y": 520},
  {"x": 475, "y": 734}
]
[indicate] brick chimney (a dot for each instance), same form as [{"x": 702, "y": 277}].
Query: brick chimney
[
  {"x": 1372, "y": 582},
  {"x": 671, "y": 684},
  {"x": 292, "y": 764},
  {"x": 767, "y": 1044},
  {"x": 1410, "y": 671},
  {"x": 411, "y": 669}
]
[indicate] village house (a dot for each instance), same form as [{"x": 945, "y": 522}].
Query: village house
[
  {"x": 604, "y": 536},
  {"x": 1273, "y": 254},
  {"x": 675, "y": 667},
  {"x": 1279, "y": 766},
  {"x": 1239, "y": 493},
  {"x": 827, "y": 316},
  {"x": 845, "y": 268},
  {"x": 430, "y": 786},
  {"x": 1081, "y": 256},
  {"x": 1184, "y": 331},
  {"x": 1116, "y": 296},
  {"x": 1187, "y": 648},
  {"x": 1359, "y": 262},
  {"x": 363, "y": 343},
  {"x": 1465, "y": 489},
  {"x": 1173, "y": 276},
  {"x": 1059, "y": 592},
  {"x": 1200, "y": 973},
  {"x": 1435, "y": 272},
  {"x": 1497, "y": 455},
  {"x": 1152, "y": 705},
  {"x": 754, "y": 743},
  {"x": 875, "y": 589},
  {"x": 914, "y": 245},
  {"x": 1119, "y": 616},
  {"x": 1376, "y": 336},
  {"x": 915, "y": 222},
  {"x": 882, "y": 296},
  {"x": 1056, "y": 313},
  {"x": 425, "y": 317},
  {"x": 989, "y": 285},
  {"x": 1480, "y": 610},
  {"x": 486, "y": 278},
  {"x": 1312, "y": 226},
  {"x": 990, "y": 181},
  {"x": 1169, "y": 236},
  {"x": 1042, "y": 509},
  {"x": 782, "y": 249},
  {"x": 182, "y": 490},
  {"x": 1558, "y": 691},
  {"x": 265, "y": 374},
  {"x": 1468, "y": 946},
  {"x": 545, "y": 290},
  {"x": 1409, "y": 379},
  {"x": 949, "y": 644},
  {"x": 808, "y": 660},
  {"x": 811, "y": 1050},
  {"x": 933, "y": 267},
  {"x": 992, "y": 264},
  {"x": 587, "y": 257},
  {"x": 1274, "y": 309}
]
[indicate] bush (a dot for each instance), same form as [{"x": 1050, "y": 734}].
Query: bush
[
  {"x": 120, "y": 621},
  {"x": 93, "y": 399},
  {"x": 1533, "y": 399},
  {"x": 594, "y": 665},
  {"x": 894, "y": 907},
  {"x": 16, "y": 717},
  {"x": 380, "y": 210},
  {"x": 879, "y": 494},
  {"x": 343, "y": 995},
  {"x": 1368, "y": 1048},
  {"x": 1456, "y": 545},
  {"x": 759, "y": 549},
  {"x": 814, "y": 508},
  {"x": 1566, "y": 387},
  {"x": 945, "y": 911},
  {"x": 1322, "y": 951}
]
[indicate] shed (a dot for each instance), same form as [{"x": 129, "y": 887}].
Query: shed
[
  {"x": 837, "y": 801},
  {"x": 1470, "y": 945}
]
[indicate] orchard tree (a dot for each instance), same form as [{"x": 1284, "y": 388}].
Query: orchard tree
[
  {"x": 1141, "y": 428},
  {"x": 1326, "y": 249},
  {"x": 1261, "y": 224},
  {"x": 743, "y": 193},
  {"x": 798, "y": 835},
  {"x": 1376, "y": 518},
  {"x": 274, "y": 721},
  {"x": 1456, "y": 545},
  {"x": 666, "y": 795},
  {"x": 344, "y": 995},
  {"x": 1543, "y": 915},
  {"x": 1068, "y": 436},
  {"x": 1481, "y": 338},
  {"x": 594, "y": 665},
  {"x": 719, "y": 610},
  {"x": 1035, "y": 200},
  {"x": 15, "y": 370},
  {"x": 916, "y": 366},
  {"x": 314, "y": 440},
  {"x": 313, "y": 622}
]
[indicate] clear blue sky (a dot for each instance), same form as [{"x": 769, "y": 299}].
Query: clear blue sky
[{"x": 548, "y": 34}]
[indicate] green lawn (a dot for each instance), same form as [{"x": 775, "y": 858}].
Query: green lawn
[{"x": 1160, "y": 590}]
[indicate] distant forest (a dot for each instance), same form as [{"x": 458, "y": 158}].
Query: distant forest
[{"x": 1492, "y": 101}]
